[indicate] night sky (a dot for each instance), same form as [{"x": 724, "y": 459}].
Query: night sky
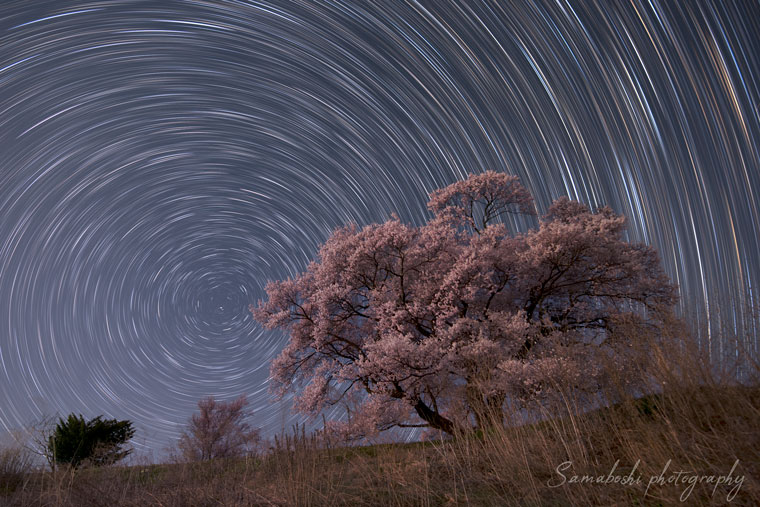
[{"x": 161, "y": 160}]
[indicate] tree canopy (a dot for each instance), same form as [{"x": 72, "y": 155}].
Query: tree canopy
[
  {"x": 97, "y": 441},
  {"x": 437, "y": 325}
]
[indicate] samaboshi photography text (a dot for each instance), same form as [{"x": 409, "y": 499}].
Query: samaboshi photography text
[{"x": 669, "y": 476}]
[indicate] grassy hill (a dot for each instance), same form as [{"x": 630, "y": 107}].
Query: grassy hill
[
  {"x": 699, "y": 431},
  {"x": 695, "y": 443}
]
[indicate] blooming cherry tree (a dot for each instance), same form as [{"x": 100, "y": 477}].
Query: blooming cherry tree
[{"x": 439, "y": 325}]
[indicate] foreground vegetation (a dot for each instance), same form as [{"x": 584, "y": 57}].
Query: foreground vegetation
[{"x": 701, "y": 423}]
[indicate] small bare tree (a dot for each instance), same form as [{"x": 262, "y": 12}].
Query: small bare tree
[
  {"x": 38, "y": 437},
  {"x": 219, "y": 430}
]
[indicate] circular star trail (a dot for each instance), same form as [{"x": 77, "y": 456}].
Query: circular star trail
[{"x": 161, "y": 161}]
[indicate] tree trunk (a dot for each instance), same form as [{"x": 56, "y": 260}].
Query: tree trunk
[{"x": 434, "y": 419}]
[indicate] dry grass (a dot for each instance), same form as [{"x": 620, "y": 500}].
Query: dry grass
[
  {"x": 702, "y": 422},
  {"x": 15, "y": 462}
]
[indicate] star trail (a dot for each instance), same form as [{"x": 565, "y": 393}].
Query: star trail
[{"x": 161, "y": 161}]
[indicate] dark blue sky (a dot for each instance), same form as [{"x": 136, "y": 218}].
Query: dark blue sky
[{"x": 160, "y": 161}]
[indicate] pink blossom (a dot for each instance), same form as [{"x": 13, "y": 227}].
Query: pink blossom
[{"x": 432, "y": 325}]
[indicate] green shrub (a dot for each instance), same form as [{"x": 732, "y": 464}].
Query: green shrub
[{"x": 97, "y": 441}]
